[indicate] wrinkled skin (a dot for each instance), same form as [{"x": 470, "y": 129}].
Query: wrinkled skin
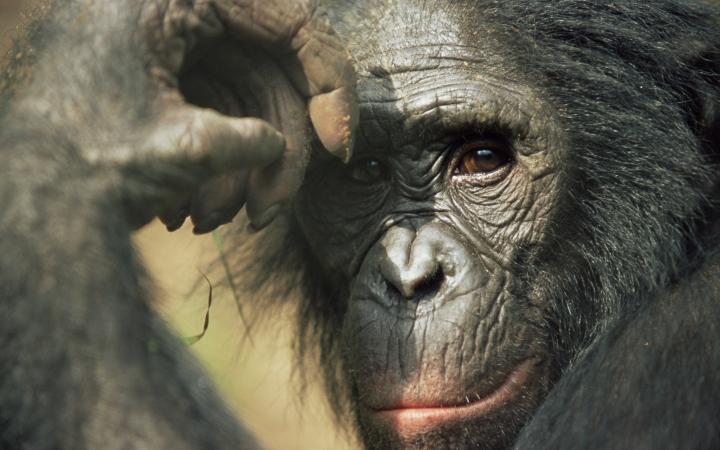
[
  {"x": 512, "y": 240},
  {"x": 434, "y": 317},
  {"x": 464, "y": 303}
]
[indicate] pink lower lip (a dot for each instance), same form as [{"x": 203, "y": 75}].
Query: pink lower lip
[{"x": 412, "y": 420}]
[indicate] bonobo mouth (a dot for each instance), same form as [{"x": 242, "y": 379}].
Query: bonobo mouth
[{"x": 414, "y": 418}]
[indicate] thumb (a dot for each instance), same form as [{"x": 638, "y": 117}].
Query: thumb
[{"x": 190, "y": 137}]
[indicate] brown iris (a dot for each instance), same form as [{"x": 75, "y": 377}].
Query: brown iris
[{"x": 481, "y": 158}]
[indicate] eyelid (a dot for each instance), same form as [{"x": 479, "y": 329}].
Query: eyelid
[{"x": 489, "y": 139}]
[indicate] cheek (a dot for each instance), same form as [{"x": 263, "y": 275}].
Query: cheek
[
  {"x": 443, "y": 354},
  {"x": 338, "y": 228},
  {"x": 507, "y": 215},
  {"x": 436, "y": 342}
]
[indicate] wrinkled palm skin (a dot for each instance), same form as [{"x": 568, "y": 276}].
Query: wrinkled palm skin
[{"x": 507, "y": 209}]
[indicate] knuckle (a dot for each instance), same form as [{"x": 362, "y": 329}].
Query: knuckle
[{"x": 196, "y": 139}]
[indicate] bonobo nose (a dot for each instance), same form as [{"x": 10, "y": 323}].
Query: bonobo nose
[{"x": 418, "y": 265}]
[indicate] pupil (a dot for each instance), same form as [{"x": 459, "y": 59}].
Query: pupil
[
  {"x": 368, "y": 170},
  {"x": 373, "y": 168},
  {"x": 484, "y": 155}
]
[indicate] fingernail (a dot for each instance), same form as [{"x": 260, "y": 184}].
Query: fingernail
[
  {"x": 349, "y": 149},
  {"x": 264, "y": 219},
  {"x": 209, "y": 223},
  {"x": 345, "y": 141}
]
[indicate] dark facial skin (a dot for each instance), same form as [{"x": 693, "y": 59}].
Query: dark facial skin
[{"x": 450, "y": 179}]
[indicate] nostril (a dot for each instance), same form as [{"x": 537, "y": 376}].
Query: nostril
[
  {"x": 429, "y": 286},
  {"x": 392, "y": 291},
  {"x": 423, "y": 288}
]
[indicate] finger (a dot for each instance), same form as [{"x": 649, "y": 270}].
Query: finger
[
  {"x": 335, "y": 118},
  {"x": 325, "y": 74},
  {"x": 269, "y": 190},
  {"x": 184, "y": 147},
  {"x": 272, "y": 186},
  {"x": 203, "y": 139},
  {"x": 174, "y": 218},
  {"x": 272, "y": 23},
  {"x": 330, "y": 85},
  {"x": 218, "y": 201}
]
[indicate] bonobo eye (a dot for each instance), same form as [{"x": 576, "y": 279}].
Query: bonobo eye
[
  {"x": 486, "y": 158},
  {"x": 368, "y": 170}
]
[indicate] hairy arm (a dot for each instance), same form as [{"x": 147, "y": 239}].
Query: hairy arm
[
  {"x": 645, "y": 384},
  {"x": 86, "y": 364},
  {"x": 98, "y": 139}
]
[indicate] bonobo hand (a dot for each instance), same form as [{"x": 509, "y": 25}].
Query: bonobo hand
[
  {"x": 264, "y": 59},
  {"x": 210, "y": 81}
]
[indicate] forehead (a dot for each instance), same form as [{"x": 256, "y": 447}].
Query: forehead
[
  {"x": 383, "y": 35},
  {"x": 374, "y": 26},
  {"x": 429, "y": 64}
]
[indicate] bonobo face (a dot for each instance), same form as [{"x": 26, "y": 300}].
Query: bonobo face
[{"x": 427, "y": 232}]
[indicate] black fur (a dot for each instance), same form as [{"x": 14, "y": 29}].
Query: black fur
[{"x": 633, "y": 297}]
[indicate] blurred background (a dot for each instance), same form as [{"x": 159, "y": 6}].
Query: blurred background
[{"x": 255, "y": 374}]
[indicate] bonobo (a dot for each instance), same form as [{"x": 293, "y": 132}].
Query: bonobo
[{"x": 500, "y": 218}]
